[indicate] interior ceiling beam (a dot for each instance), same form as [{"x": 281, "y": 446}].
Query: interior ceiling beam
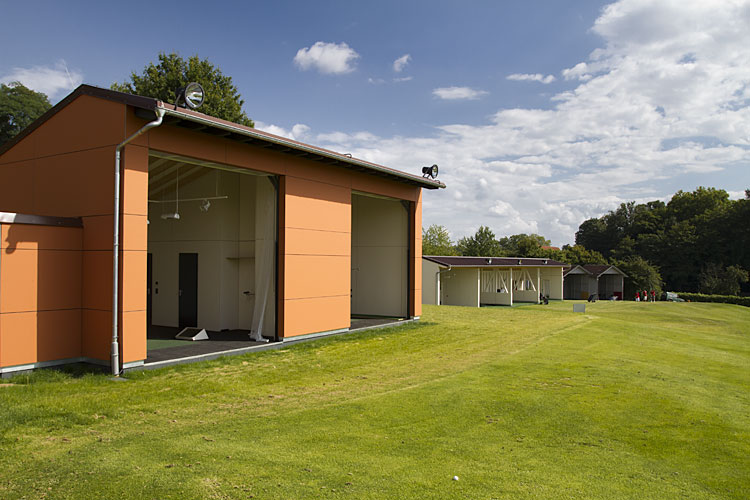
[
  {"x": 169, "y": 179},
  {"x": 156, "y": 162},
  {"x": 188, "y": 179},
  {"x": 167, "y": 170}
]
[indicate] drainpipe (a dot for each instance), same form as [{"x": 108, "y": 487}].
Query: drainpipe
[
  {"x": 437, "y": 283},
  {"x": 115, "y": 351}
]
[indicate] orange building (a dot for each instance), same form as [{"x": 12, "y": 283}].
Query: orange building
[{"x": 219, "y": 226}]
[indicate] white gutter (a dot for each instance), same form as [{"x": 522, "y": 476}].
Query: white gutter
[{"x": 115, "y": 348}]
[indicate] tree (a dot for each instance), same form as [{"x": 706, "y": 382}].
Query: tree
[
  {"x": 641, "y": 275},
  {"x": 19, "y": 106},
  {"x": 523, "y": 245},
  {"x": 163, "y": 80},
  {"x": 576, "y": 255},
  {"x": 714, "y": 279},
  {"x": 436, "y": 240},
  {"x": 592, "y": 234},
  {"x": 482, "y": 244}
]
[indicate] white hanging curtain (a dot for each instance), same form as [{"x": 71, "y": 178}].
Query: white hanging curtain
[{"x": 264, "y": 321}]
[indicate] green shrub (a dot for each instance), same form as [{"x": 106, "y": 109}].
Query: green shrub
[{"x": 726, "y": 299}]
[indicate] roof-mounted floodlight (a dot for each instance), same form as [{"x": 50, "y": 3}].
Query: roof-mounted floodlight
[
  {"x": 430, "y": 172},
  {"x": 192, "y": 95}
]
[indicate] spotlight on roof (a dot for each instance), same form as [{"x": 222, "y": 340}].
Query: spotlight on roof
[
  {"x": 192, "y": 95},
  {"x": 174, "y": 216},
  {"x": 430, "y": 172}
]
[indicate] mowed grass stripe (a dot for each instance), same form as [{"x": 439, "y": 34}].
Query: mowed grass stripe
[{"x": 626, "y": 401}]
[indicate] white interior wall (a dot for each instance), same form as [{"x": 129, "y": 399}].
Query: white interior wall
[
  {"x": 460, "y": 287},
  {"x": 380, "y": 251},
  {"x": 555, "y": 277},
  {"x": 223, "y": 238}
]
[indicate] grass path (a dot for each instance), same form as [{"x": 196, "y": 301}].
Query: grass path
[{"x": 627, "y": 401}]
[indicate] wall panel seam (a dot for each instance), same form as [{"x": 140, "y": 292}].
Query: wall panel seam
[
  {"x": 316, "y": 297},
  {"x": 41, "y": 310}
]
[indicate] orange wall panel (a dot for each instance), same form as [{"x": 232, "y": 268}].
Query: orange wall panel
[
  {"x": 132, "y": 281},
  {"x": 255, "y": 158},
  {"x": 97, "y": 280},
  {"x": 377, "y": 185},
  {"x": 314, "y": 205},
  {"x": 24, "y": 236},
  {"x": 58, "y": 335},
  {"x": 24, "y": 150},
  {"x": 133, "y": 233},
  {"x": 134, "y": 178},
  {"x": 18, "y": 286},
  {"x": 314, "y": 242},
  {"x": 309, "y": 276},
  {"x": 133, "y": 340},
  {"x": 171, "y": 139},
  {"x": 96, "y": 334},
  {"x": 86, "y": 123},
  {"x": 97, "y": 232},
  {"x": 303, "y": 316},
  {"x": 17, "y": 186},
  {"x": 18, "y": 342},
  {"x": 319, "y": 172},
  {"x": 417, "y": 302},
  {"x": 75, "y": 184}
]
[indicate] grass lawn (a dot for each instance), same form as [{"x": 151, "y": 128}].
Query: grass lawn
[{"x": 628, "y": 400}]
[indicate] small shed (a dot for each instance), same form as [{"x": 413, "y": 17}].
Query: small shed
[
  {"x": 477, "y": 281},
  {"x": 604, "y": 280}
]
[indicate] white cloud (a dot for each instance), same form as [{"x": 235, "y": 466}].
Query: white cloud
[
  {"x": 403, "y": 79},
  {"x": 400, "y": 63},
  {"x": 327, "y": 58},
  {"x": 536, "y": 77},
  {"x": 54, "y": 81},
  {"x": 299, "y": 131},
  {"x": 663, "y": 104},
  {"x": 458, "y": 93}
]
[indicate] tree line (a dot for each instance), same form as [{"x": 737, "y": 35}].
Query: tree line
[{"x": 696, "y": 242}]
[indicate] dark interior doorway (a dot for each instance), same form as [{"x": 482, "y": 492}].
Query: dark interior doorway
[{"x": 188, "y": 300}]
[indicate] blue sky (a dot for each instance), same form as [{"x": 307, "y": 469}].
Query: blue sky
[{"x": 540, "y": 114}]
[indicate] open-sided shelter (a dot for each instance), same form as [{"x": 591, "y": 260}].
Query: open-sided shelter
[
  {"x": 580, "y": 282},
  {"x": 476, "y": 281},
  {"x": 116, "y": 203}
]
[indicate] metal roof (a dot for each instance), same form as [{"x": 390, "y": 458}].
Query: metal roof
[
  {"x": 199, "y": 122},
  {"x": 595, "y": 269},
  {"x": 454, "y": 261}
]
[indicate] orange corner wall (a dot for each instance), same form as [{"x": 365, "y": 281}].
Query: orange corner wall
[{"x": 40, "y": 293}]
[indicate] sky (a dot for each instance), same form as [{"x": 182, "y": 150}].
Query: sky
[{"x": 539, "y": 114}]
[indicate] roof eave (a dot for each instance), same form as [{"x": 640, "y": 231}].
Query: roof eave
[{"x": 294, "y": 145}]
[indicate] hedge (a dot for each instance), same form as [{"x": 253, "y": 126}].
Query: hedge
[{"x": 726, "y": 299}]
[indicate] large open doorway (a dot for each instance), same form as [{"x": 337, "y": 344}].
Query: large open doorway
[
  {"x": 380, "y": 259},
  {"x": 212, "y": 240}
]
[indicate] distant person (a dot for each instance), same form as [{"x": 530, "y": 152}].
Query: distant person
[
  {"x": 653, "y": 295},
  {"x": 637, "y": 297},
  {"x": 644, "y": 297}
]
